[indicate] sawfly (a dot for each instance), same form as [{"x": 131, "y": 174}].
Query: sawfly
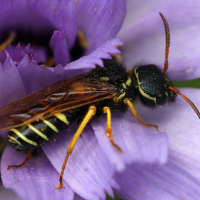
[{"x": 39, "y": 117}]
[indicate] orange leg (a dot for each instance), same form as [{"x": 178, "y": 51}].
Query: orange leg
[
  {"x": 109, "y": 128},
  {"x": 135, "y": 114},
  {"x": 28, "y": 157},
  {"x": 91, "y": 112}
]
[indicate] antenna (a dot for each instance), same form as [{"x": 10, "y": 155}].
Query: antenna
[
  {"x": 191, "y": 104},
  {"x": 167, "y": 35}
]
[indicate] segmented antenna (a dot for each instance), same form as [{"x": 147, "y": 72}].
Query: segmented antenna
[
  {"x": 191, "y": 104},
  {"x": 167, "y": 36}
]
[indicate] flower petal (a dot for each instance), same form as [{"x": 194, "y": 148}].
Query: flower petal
[
  {"x": 19, "y": 52},
  {"x": 10, "y": 78},
  {"x": 138, "y": 143},
  {"x": 95, "y": 58},
  {"x": 36, "y": 180},
  {"x": 102, "y": 21},
  {"x": 61, "y": 14},
  {"x": 182, "y": 126},
  {"x": 157, "y": 182},
  {"x": 36, "y": 77},
  {"x": 144, "y": 37},
  {"x": 88, "y": 172},
  {"x": 77, "y": 197},
  {"x": 40, "y": 16},
  {"x": 59, "y": 45},
  {"x": 8, "y": 194}
]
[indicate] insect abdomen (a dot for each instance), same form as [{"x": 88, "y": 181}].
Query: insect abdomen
[{"x": 34, "y": 135}]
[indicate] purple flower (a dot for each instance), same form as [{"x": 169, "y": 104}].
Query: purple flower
[
  {"x": 144, "y": 40},
  {"x": 21, "y": 73},
  {"x": 147, "y": 168}
]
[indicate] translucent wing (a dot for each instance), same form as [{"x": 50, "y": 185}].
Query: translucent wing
[{"x": 64, "y": 95}]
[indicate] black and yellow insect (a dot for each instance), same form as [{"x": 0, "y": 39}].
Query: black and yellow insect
[{"x": 39, "y": 117}]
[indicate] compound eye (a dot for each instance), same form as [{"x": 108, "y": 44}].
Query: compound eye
[{"x": 161, "y": 99}]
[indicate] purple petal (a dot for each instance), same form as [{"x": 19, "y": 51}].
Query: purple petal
[
  {"x": 41, "y": 16},
  {"x": 19, "y": 52},
  {"x": 182, "y": 126},
  {"x": 60, "y": 48},
  {"x": 36, "y": 56},
  {"x": 77, "y": 197},
  {"x": 144, "y": 37},
  {"x": 36, "y": 180},
  {"x": 157, "y": 182},
  {"x": 61, "y": 14},
  {"x": 138, "y": 143},
  {"x": 102, "y": 21},
  {"x": 36, "y": 77},
  {"x": 95, "y": 58},
  {"x": 88, "y": 172},
  {"x": 8, "y": 194},
  {"x": 10, "y": 78}
]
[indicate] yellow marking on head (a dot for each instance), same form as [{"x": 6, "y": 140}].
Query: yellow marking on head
[
  {"x": 140, "y": 89},
  {"x": 14, "y": 139},
  {"x": 82, "y": 39},
  {"x": 50, "y": 125},
  {"x": 124, "y": 85},
  {"x": 38, "y": 132},
  {"x": 23, "y": 137},
  {"x": 62, "y": 117},
  {"x": 104, "y": 78},
  {"x": 129, "y": 81},
  {"x": 117, "y": 57}
]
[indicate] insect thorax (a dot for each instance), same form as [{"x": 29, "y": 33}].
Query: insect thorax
[{"x": 115, "y": 74}]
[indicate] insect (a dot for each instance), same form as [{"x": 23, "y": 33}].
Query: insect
[{"x": 38, "y": 117}]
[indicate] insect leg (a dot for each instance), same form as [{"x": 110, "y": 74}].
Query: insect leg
[
  {"x": 109, "y": 128},
  {"x": 28, "y": 157},
  {"x": 91, "y": 112},
  {"x": 135, "y": 114}
]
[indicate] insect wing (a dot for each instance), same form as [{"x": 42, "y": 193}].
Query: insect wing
[{"x": 59, "y": 97}]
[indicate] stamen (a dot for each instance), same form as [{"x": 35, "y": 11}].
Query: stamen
[
  {"x": 191, "y": 104},
  {"x": 117, "y": 57},
  {"x": 82, "y": 38},
  {"x": 10, "y": 39},
  {"x": 50, "y": 62}
]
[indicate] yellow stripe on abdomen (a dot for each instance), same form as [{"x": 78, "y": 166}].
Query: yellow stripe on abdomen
[
  {"x": 62, "y": 117},
  {"x": 14, "y": 139},
  {"x": 23, "y": 137},
  {"x": 38, "y": 132},
  {"x": 50, "y": 125}
]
